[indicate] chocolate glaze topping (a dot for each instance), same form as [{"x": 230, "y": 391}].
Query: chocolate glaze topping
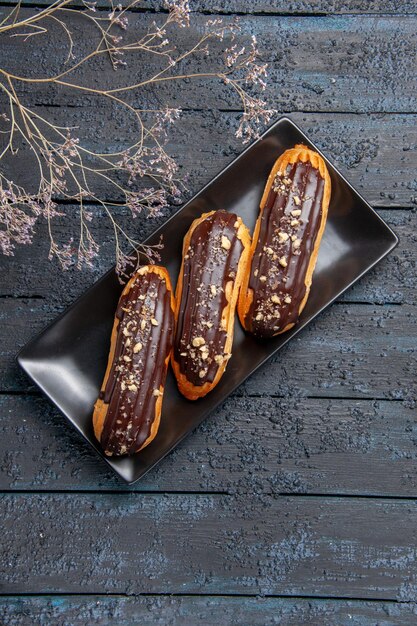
[
  {"x": 289, "y": 225},
  {"x": 210, "y": 262},
  {"x": 144, "y": 341}
]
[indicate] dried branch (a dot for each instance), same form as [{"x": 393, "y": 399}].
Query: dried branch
[{"x": 68, "y": 169}]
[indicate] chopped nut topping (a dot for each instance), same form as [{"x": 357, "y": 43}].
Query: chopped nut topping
[
  {"x": 283, "y": 261},
  {"x": 286, "y": 181},
  {"x": 213, "y": 290},
  {"x": 262, "y": 279},
  {"x": 204, "y": 356},
  {"x": 283, "y": 236},
  {"x": 142, "y": 296},
  {"x": 296, "y": 213},
  {"x": 297, "y": 243},
  {"x": 154, "y": 322},
  {"x": 259, "y": 317},
  {"x": 269, "y": 250},
  {"x": 198, "y": 341},
  {"x": 202, "y": 373},
  {"x": 277, "y": 186},
  {"x": 218, "y": 359},
  {"x": 157, "y": 393},
  {"x": 287, "y": 299},
  {"x": 137, "y": 347},
  {"x": 209, "y": 324},
  {"x": 226, "y": 243},
  {"x": 127, "y": 342},
  {"x": 123, "y": 385},
  {"x": 126, "y": 332},
  {"x": 143, "y": 324},
  {"x": 293, "y": 237},
  {"x": 127, "y": 359},
  {"x": 132, "y": 387},
  {"x": 183, "y": 354},
  {"x": 295, "y": 222},
  {"x": 255, "y": 273},
  {"x": 236, "y": 224},
  {"x": 297, "y": 200},
  {"x": 275, "y": 299}
]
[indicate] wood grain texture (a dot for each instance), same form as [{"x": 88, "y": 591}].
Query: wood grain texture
[
  {"x": 375, "y": 153},
  {"x": 333, "y": 63},
  {"x": 210, "y": 611},
  {"x": 249, "y": 445},
  {"x": 369, "y": 344},
  {"x": 140, "y": 543},
  {"x": 273, "y": 7}
]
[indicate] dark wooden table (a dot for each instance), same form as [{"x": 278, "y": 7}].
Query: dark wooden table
[{"x": 296, "y": 502}]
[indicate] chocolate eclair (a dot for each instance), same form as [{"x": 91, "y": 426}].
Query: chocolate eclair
[
  {"x": 215, "y": 254},
  {"x": 285, "y": 245},
  {"x": 128, "y": 410}
]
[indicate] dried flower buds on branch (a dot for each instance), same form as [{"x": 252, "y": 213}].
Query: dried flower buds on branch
[{"x": 142, "y": 175}]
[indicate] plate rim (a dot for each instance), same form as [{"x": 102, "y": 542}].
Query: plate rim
[{"x": 20, "y": 356}]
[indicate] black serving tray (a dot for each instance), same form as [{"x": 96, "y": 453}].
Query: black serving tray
[{"x": 68, "y": 359}]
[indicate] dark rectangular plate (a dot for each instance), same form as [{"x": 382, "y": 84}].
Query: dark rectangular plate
[{"x": 68, "y": 359}]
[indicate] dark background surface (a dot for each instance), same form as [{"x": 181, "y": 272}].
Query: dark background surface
[{"x": 295, "y": 503}]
